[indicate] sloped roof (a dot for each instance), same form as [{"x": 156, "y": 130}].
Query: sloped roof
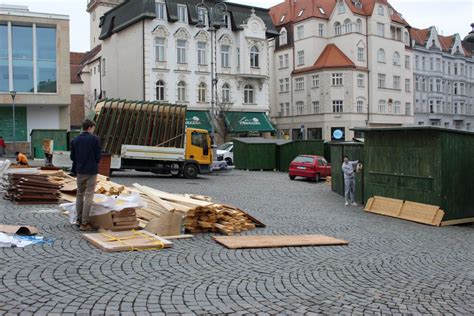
[
  {"x": 447, "y": 42},
  {"x": 331, "y": 57},
  {"x": 75, "y": 63},
  {"x": 421, "y": 37}
]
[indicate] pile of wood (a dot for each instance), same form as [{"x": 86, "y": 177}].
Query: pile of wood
[
  {"x": 199, "y": 212},
  {"x": 32, "y": 189}
]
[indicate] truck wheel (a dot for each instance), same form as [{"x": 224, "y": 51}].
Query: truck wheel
[{"x": 190, "y": 171}]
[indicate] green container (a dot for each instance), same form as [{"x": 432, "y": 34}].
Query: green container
[
  {"x": 429, "y": 165},
  {"x": 355, "y": 151},
  {"x": 38, "y": 135},
  {"x": 255, "y": 153},
  {"x": 288, "y": 151},
  {"x": 70, "y": 136}
]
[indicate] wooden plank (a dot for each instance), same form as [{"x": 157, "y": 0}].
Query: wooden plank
[
  {"x": 185, "y": 236},
  {"x": 259, "y": 241},
  {"x": 151, "y": 193},
  {"x": 174, "y": 197},
  {"x": 384, "y": 206},
  {"x": 126, "y": 241},
  {"x": 458, "y": 221}
]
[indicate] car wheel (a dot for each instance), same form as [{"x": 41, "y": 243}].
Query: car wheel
[
  {"x": 292, "y": 177},
  {"x": 317, "y": 178},
  {"x": 229, "y": 161},
  {"x": 190, "y": 171}
]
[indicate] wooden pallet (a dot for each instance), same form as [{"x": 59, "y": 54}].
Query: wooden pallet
[{"x": 259, "y": 241}]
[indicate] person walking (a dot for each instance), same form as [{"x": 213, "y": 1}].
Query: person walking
[
  {"x": 85, "y": 155},
  {"x": 349, "y": 180},
  {"x": 2, "y": 146}
]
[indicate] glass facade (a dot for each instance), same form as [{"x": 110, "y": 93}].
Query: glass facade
[
  {"x": 24, "y": 51},
  {"x": 46, "y": 59},
  {"x": 4, "y": 75}
]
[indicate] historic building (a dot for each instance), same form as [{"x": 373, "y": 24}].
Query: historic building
[
  {"x": 162, "y": 51},
  {"x": 444, "y": 79},
  {"x": 34, "y": 71},
  {"x": 339, "y": 64}
]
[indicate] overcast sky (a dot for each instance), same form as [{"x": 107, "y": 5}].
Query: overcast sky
[{"x": 450, "y": 16}]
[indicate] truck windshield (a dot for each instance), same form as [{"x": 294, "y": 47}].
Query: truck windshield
[{"x": 199, "y": 139}]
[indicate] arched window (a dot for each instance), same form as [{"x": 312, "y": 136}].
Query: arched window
[
  {"x": 337, "y": 28},
  {"x": 160, "y": 90},
  {"x": 381, "y": 56},
  {"x": 283, "y": 37},
  {"x": 347, "y": 26},
  {"x": 359, "y": 26},
  {"x": 181, "y": 91},
  {"x": 202, "y": 92},
  {"x": 249, "y": 94},
  {"x": 225, "y": 93},
  {"x": 254, "y": 57},
  {"x": 396, "y": 59},
  {"x": 380, "y": 10}
]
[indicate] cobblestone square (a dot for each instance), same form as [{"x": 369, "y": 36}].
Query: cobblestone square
[{"x": 390, "y": 266}]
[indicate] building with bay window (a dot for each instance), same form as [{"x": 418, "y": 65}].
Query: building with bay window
[
  {"x": 337, "y": 65},
  {"x": 155, "y": 51},
  {"x": 34, "y": 64}
]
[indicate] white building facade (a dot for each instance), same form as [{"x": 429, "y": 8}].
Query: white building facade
[
  {"x": 444, "y": 80},
  {"x": 159, "y": 53},
  {"x": 339, "y": 65}
]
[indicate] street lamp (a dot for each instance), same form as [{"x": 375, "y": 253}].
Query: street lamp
[
  {"x": 216, "y": 19},
  {"x": 13, "y": 95}
]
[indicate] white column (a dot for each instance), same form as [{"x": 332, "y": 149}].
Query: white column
[
  {"x": 35, "y": 74},
  {"x": 10, "y": 57}
]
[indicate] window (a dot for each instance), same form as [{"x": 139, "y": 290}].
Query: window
[
  {"x": 225, "y": 60},
  {"x": 315, "y": 81},
  {"x": 432, "y": 106},
  {"x": 226, "y": 93},
  {"x": 202, "y": 92},
  {"x": 160, "y": 10},
  {"x": 341, "y": 8},
  {"x": 347, "y": 26},
  {"x": 407, "y": 62},
  {"x": 360, "y": 80},
  {"x": 381, "y": 81},
  {"x": 382, "y": 106},
  {"x": 381, "y": 29},
  {"x": 22, "y": 42},
  {"x": 396, "y": 59},
  {"x": 337, "y": 106},
  {"x": 287, "y": 60},
  {"x": 417, "y": 62},
  {"x": 198, "y": 139},
  {"x": 287, "y": 108},
  {"x": 301, "y": 58},
  {"x": 455, "y": 88},
  {"x": 360, "y": 53},
  {"x": 283, "y": 17},
  {"x": 407, "y": 85},
  {"x": 438, "y": 64},
  {"x": 431, "y": 68},
  {"x": 287, "y": 84},
  {"x": 338, "y": 28},
  {"x": 423, "y": 84},
  {"x": 380, "y": 10},
  {"x": 438, "y": 85},
  {"x": 408, "y": 108},
  {"x": 202, "y": 13},
  {"x": 321, "y": 30},
  {"x": 159, "y": 49},
  {"x": 396, "y": 82},
  {"x": 280, "y": 58},
  {"x": 321, "y": 10},
  {"x": 316, "y": 107},
  {"x": 249, "y": 94},
  {"x": 181, "y": 91},
  {"x": 254, "y": 57},
  {"x": 181, "y": 51},
  {"x": 455, "y": 68},
  {"x": 417, "y": 83},
  {"x": 4, "y": 71},
  {"x": 283, "y": 37},
  {"x": 300, "y": 31},
  {"x": 201, "y": 49},
  {"x": 406, "y": 39},
  {"x": 282, "y": 86},
  {"x": 160, "y": 90},
  {"x": 396, "y": 107},
  {"x": 299, "y": 84},
  {"x": 45, "y": 60},
  {"x": 238, "y": 57},
  {"x": 299, "y": 108},
  {"x": 337, "y": 79},
  {"x": 359, "y": 26},
  {"x": 360, "y": 106},
  {"x": 449, "y": 68},
  {"x": 103, "y": 67},
  {"x": 381, "y": 56},
  {"x": 181, "y": 13},
  {"x": 423, "y": 63}
]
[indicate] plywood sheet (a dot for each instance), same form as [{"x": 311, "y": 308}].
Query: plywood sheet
[
  {"x": 384, "y": 206},
  {"x": 265, "y": 241},
  {"x": 127, "y": 241}
]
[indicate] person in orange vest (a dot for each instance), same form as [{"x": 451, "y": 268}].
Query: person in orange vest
[{"x": 21, "y": 159}]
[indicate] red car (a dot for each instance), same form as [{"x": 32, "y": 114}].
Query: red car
[{"x": 311, "y": 167}]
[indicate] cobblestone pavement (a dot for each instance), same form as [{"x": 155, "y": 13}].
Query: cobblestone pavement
[{"x": 390, "y": 267}]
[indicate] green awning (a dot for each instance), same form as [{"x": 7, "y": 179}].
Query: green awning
[
  {"x": 198, "y": 119},
  {"x": 238, "y": 122}
]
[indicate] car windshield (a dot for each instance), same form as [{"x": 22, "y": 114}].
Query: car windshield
[
  {"x": 225, "y": 146},
  {"x": 304, "y": 159}
]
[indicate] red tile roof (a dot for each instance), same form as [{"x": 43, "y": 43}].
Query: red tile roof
[
  {"x": 331, "y": 57},
  {"x": 421, "y": 37},
  {"x": 75, "y": 63},
  {"x": 311, "y": 8}
]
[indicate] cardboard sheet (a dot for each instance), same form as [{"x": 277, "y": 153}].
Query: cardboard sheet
[
  {"x": 19, "y": 230},
  {"x": 260, "y": 241}
]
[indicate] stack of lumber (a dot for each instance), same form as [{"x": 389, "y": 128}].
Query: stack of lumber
[
  {"x": 32, "y": 189},
  {"x": 200, "y": 213}
]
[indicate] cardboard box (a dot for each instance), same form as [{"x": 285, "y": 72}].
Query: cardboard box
[{"x": 116, "y": 221}]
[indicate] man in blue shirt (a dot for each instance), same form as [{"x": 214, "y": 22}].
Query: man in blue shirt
[{"x": 85, "y": 154}]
